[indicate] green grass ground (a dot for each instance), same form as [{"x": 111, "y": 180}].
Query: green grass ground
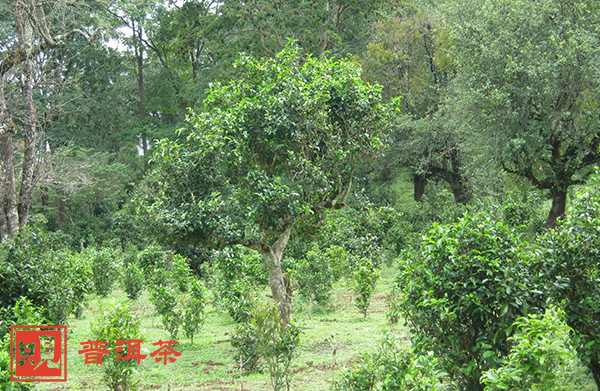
[{"x": 330, "y": 342}]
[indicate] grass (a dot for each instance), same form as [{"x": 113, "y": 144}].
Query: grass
[{"x": 331, "y": 340}]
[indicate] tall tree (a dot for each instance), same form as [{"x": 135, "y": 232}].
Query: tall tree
[
  {"x": 273, "y": 150},
  {"x": 36, "y": 30},
  {"x": 530, "y": 82},
  {"x": 407, "y": 55}
]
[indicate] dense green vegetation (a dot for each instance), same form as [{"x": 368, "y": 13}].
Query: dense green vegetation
[{"x": 294, "y": 177}]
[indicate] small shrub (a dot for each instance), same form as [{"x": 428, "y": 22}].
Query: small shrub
[
  {"x": 541, "y": 358},
  {"x": 164, "y": 299},
  {"x": 315, "y": 275},
  {"x": 117, "y": 323},
  {"x": 81, "y": 276},
  {"x": 180, "y": 272},
  {"x": 104, "y": 267},
  {"x": 365, "y": 278},
  {"x": 48, "y": 277},
  {"x": 569, "y": 263},
  {"x": 194, "y": 315},
  {"x": 237, "y": 274},
  {"x": 133, "y": 276},
  {"x": 244, "y": 343},
  {"x": 391, "y": 368},
  {"x": 149, "y": 259},
  {"x": 22, "y": 313},
  {"x": 393, "y": 300},
  {"x": 275, "y": 346}
]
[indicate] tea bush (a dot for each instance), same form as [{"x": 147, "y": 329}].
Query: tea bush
[
  {"x": 237, "y": 275},
  {"x": 193, "y": 307},
  {"x": 275, "y": 346},
  {"x": 105, "y": 268},
  {"x": 464, "y": 292},
  {"x": 314, "y": 276},
  {"x": 117, "y": 323},
  {"x": 541, "y": 358},
  {"x": 22, "y": 313},
  {"x": 365, "y": 278},
  {"x": 53, "y": 279},
  {"x": 133, "y": 276}
]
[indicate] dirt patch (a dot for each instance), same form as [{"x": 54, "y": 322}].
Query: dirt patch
[
  {"x": 325, "y": 367},
  {"x": 155, "y": 387},
  {"x": 218, "y": 386},
  {"x": 298, "y": 370},
  {"x": 327, "y": 320},
  {"x": 223, "y": 341},
  {"x": 212, "y": 363},
  {"x": 379, "y": 298}
]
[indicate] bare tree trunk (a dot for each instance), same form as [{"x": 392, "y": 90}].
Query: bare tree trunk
[
  {"x": 45, "y": 197},
  {"x": 29, "y": 133},
  {"x": 8, "y": 203}
]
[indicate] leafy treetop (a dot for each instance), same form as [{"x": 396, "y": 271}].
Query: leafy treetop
[{"x": 273, "y": 149}]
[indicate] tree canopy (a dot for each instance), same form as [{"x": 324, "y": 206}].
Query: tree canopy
[{"x": 530, "y": 77}]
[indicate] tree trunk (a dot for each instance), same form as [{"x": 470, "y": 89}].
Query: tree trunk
[
  {"x": 140, "y": 64},
  {"x": 45, "y": 198},
  {"x": 29, "y": 133},
  {"x": 460, "y": 192},
  {"x": 595, "y": 369},
  {"x": 419, "y": 186},
  {"x": 8, "y": 203},
  {"x": 277, "y": 281},
  {"x": 559, "y": 202},
  {"x": 9, "y": 191}
]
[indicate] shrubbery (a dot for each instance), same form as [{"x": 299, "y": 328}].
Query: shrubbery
[
  {"x": 393, "y": 367},
  {"x": 464, "y": 293},
  {"x": 262, "y": 337},
  {"x": 238, "y": 272},
  {"x": 541, "y": 358},
  {"x": 52, "y": 279},
  {"x": 105, "y": 267},
  {"x": 365, "y": 277}
]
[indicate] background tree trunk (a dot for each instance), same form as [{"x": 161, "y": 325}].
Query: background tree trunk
[
  {"x": 419, "y": 186},
  {"x": 559, "y": 202}
]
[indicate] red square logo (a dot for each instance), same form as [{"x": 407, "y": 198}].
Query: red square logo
[{"x": 38, "y": 353}]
